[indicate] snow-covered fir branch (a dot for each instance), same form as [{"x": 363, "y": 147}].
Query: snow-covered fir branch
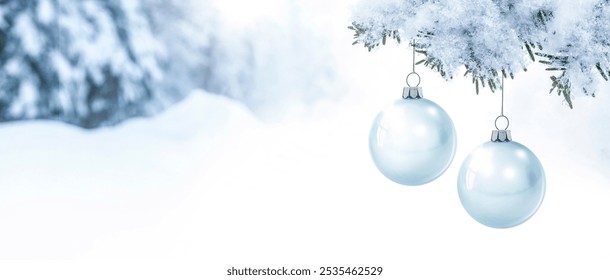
[{"x": 494, "y": 38}]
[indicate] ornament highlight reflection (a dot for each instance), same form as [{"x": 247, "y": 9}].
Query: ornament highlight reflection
[
  {"x": 412, "y": 141},
  {"x": 501, "y": 184}
]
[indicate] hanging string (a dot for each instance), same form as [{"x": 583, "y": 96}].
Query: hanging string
[
  {"x": 502, "y": 109},
  {"x": 413, "y": 45},
  {"x": 413, "y": 69}
]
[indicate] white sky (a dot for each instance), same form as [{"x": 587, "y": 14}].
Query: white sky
[{"x": 207, "y": 186}]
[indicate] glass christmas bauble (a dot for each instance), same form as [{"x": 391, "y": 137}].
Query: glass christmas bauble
[
  {"x": 501, "y": 184},
  {"x": 412, "y": 141}
]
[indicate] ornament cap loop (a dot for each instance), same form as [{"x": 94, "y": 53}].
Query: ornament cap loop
[
  {"x": 412, "y": 93},
  {"x": 501, "y": 136},
  {"x": 502, "y": 117},
  {"x": 416, "y": 75}
]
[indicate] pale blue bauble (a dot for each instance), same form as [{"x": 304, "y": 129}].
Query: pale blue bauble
[
  {"x": 412, "y": 141},
  {"x": 501, "y": 184}
]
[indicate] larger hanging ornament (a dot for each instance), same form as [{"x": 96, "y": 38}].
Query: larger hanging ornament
[
  {"x": 412, "y": 141},
  {"x": 501, "y": 184}
]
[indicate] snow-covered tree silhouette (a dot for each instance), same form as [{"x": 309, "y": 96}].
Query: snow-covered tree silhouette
[
  {"x": 96, "y": 63},
  {"x": 89, "y": 63}
]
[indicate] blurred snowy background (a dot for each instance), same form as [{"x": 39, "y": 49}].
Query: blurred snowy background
[{"x": 257, "y": 153}]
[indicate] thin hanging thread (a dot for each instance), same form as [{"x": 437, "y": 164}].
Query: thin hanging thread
[
  {"x": 413, "y": 44},
  {"x": 502, "y": 106},
  {"x": 413, "y": 72},
  {"x": 502, "y": 109}
]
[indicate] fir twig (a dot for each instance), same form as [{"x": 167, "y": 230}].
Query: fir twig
[{"x": 601, "y": 71}]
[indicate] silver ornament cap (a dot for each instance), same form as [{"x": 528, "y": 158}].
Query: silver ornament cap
[
  {"x": 412, "y": 93},
  {"x": 501, "y": 136}
]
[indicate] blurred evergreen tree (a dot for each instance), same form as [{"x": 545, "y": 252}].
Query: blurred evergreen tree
[{"x": 94, "y": 63}]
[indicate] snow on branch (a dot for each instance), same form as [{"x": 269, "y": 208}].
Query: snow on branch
[{"x": 491, "y": 38}]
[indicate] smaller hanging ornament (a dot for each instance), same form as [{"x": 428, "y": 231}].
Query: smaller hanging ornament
[
  {"x": 412, "y": 141},
  {"x": 501, "y": 184}
]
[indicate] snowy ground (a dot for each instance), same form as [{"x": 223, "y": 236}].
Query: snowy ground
[{"x": 207, "y": 186}]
